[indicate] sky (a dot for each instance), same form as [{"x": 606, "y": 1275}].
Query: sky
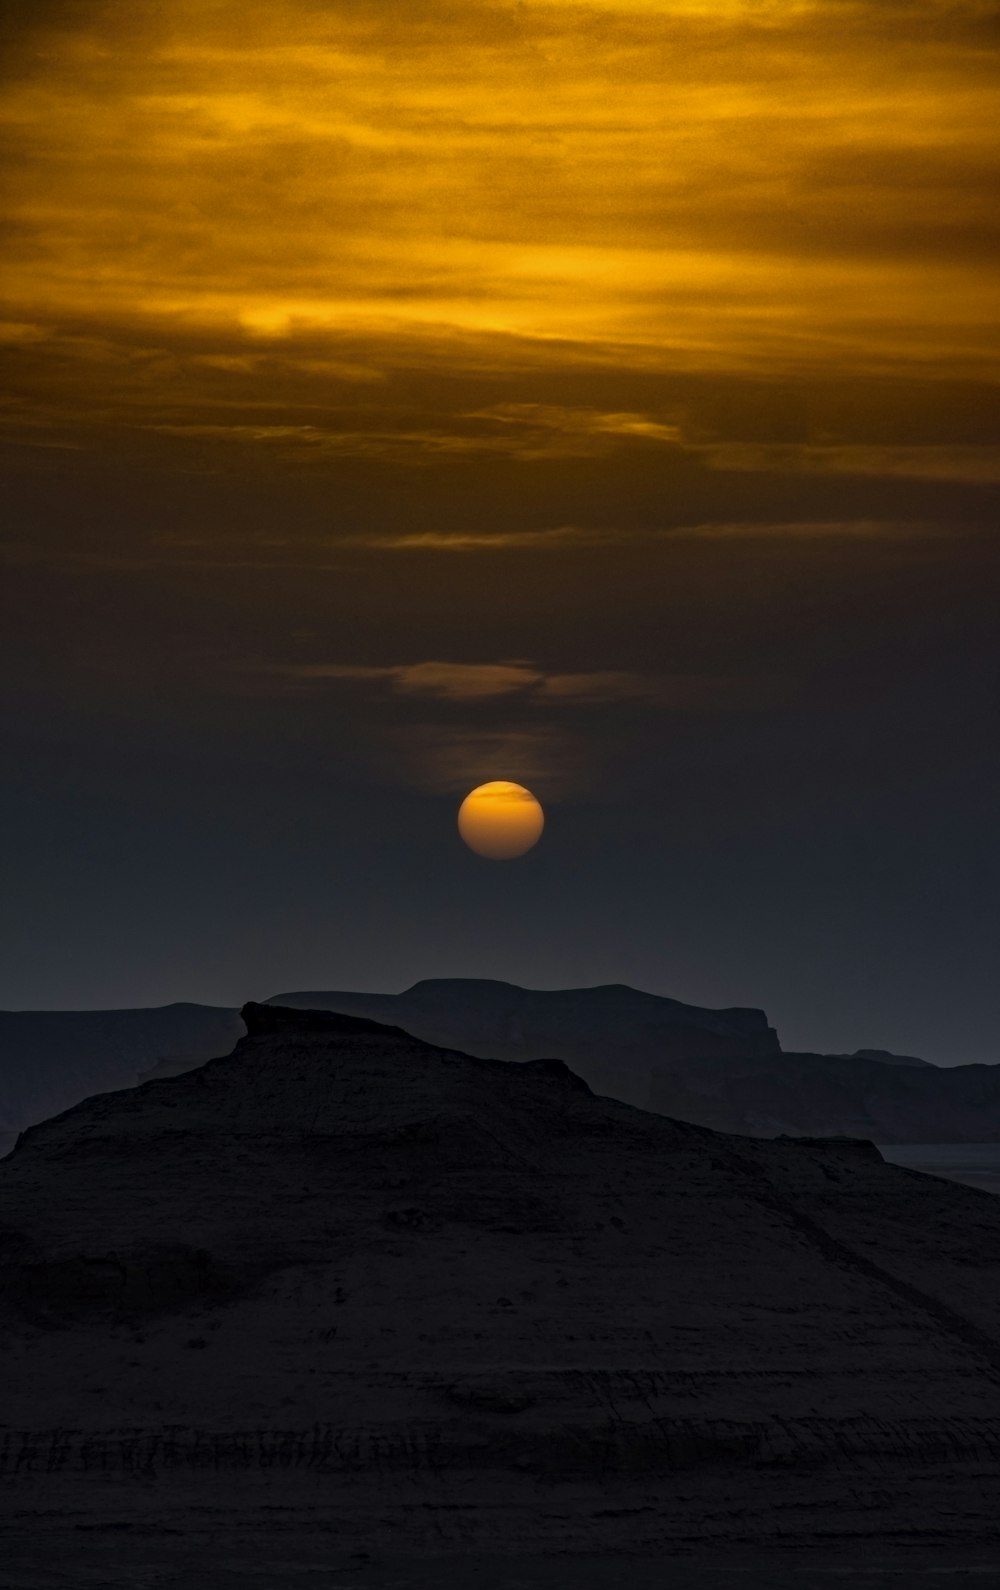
[{"x": 600, "y": 396}]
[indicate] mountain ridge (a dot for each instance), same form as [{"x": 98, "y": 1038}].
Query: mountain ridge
[
  {"x": 608, "y": 1033},
  {"x": 724, "y": 1068},
  {"x": 51, "y": 1059}
]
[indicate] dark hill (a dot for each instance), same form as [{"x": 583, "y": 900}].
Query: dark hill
[{"x": 407, "y": 1296}]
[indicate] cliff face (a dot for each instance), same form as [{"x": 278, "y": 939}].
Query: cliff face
[{"x": 469, "y": 1303}]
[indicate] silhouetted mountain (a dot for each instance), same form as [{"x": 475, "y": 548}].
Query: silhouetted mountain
[
  {"x": 719, "y": 1068},
  {"x": 839, "y": 1095},
  {"x": 453, "y": 1302},
  {"x": 611, "y": 1035},
  {"x": 888, "y": 1058},
  {"x": 50, "y": 1059}
]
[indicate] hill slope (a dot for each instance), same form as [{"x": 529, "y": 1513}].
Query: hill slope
[{"x": 455, "y": 1302}]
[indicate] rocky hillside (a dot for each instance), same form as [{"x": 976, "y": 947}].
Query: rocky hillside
[{"x": 455, "y": 1303}]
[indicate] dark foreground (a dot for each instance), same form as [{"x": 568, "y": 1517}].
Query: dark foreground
[
  {"x": 344, "y": 1292},
  {"x": 202, "y": 1561}
]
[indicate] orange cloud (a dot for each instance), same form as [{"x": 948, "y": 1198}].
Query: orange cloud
[
  {"x": 450, "y": 681},
  {"x": 717, "y": 184}
]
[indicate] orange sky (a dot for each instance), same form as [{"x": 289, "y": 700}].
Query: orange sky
[
  {"x": 599, "y": 396},
  {"x": 201, "y": 191}
]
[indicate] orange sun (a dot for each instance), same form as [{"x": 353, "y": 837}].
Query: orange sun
[{"x": 500, "y": 820}]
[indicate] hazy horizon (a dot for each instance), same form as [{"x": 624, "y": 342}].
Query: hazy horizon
[{"x": 258, "y": 996}]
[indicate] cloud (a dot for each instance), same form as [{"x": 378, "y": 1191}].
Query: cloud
[
  {"x": 305, "y": 247},
  {"x": 445, "y": 681},
  {"x": 685, "y": 692},
  {"x": 480, "y": 682},
  {"x": 974, "y": 465},
  {"x": 219, "y": 403},
  {"x": 552, "y": 762},
  {"x": 566, "y": 537},
  {"x": 555, "y": 539},
  {"x": 518, "y": 430},
  {"x": 489, "y": 171},
  {"x": 803, "y": 530},
  {"x": 19, "y": 332},
  {"x": 577, "y": 422}
]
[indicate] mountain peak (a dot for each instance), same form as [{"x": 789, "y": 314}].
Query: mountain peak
[{"x": 264, "y": 1019}]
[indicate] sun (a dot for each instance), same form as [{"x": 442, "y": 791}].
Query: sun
[{"x": 500, "y": 820}]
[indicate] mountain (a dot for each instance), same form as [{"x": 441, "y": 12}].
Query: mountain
[
  {"x": 838, "y": 1095},
  {"x": 718, "y": 1068},
  {"x": 611, "y": 1035},
  {"x": 50, "y": 1059},
  {"x": 888, "y": 1058},
  {"x": 346, "y": 1281}
]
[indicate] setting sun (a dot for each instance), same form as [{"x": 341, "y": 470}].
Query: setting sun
[{"x": 500, "y": 820}]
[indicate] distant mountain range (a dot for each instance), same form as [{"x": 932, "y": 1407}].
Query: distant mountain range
[
  {"x": 397, "y": 1293},
  {"x": 51, "y": 1059},
  {"x": 834, "y": 1095},
  {"x": 718, "y": 1068},
  {"x": 611, "y": 1035}
]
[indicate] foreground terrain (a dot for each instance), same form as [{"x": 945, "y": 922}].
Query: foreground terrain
[
  {"x": 417, "y": 1302},
  {"x": 264, "y": 1559}
]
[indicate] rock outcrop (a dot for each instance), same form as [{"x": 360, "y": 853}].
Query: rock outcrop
[{"x": 457, "y": 1303}]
